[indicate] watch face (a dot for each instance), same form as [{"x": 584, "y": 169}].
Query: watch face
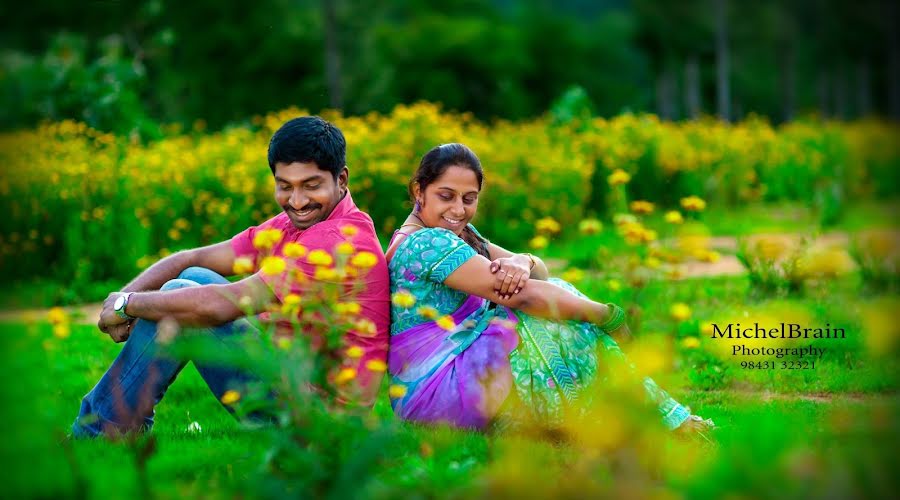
[{"x": 119, "y": 303}]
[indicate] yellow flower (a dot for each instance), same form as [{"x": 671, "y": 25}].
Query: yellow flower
[
  {"x": 57, "y": 315},
  {"x": 272, "y": 265},
  {"x": 573, "y": 275},
  {"x": 710, "y": 256},
  {"x": 403, "y": 299},
  {"x": 326, "y": 274},
  {"x": 539, "y": 242},
  {"x": 680, "y": 311},
  {"x": 396, "y": 391},
  {"x": 61, "y": 330},
  {"x": 242, "y": 265},
  {"x": 354, "y": 352},
  {"x": 319, "y": 257},
  {"x": 376, "y": 365},
  {"x": 641, "y": 207},
  {"x": 364, "y": 260},
  {"x": 345, "y": 375},
  {"x": 674, "y": 217},
  {"x": 284, "y": 343},
  {"x": 230, "y": 397},
  {"x": 614, "y": 285},
  {"x": 590, "y": 226},
  {"x": 624, "y": 220},
  {"x": 427, "y": 312},
  {"x": 294, "y": 250},
  {"x": 365, "y": 327},
  {"x": 690, "y": 342},
  {"x": 446, "y": 322},
  {"x": 345, "y": 248},
  {"x": 652, "y": 263},
  {"x": 706, "y": 329},
  {"x": 349, "y": 231},
  {"x": 618, "y": 177},
  {"x": 347, "y": 308},
  {"x": 290, "y": 304},
  {"x": 547, "y": 225},
  {"x": 266, "y": 238},
  {"x": 693, "y": 204}
]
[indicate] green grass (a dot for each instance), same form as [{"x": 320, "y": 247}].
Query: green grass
[
  {"x": 44, "y": 378},
  {"x": 775, "y": 439}
]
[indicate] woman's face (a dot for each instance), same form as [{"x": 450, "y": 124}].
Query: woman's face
[{"x": 451, "y": 200}]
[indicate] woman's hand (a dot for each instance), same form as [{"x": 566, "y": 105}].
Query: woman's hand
[
  {"x": 511, "y": 274},
  {"x": 621, "y": 335}
]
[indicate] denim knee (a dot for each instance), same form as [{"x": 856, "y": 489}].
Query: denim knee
[
  {"x": 202, "y": 276},
  {"x": 178, "y": 283}
]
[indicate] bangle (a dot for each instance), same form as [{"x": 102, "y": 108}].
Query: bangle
[
  {"x": 616, "y": 318},
  {"x": 533, "y": 262}
]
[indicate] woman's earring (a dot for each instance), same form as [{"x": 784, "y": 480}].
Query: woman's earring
[{"x": 417, "y": 207}]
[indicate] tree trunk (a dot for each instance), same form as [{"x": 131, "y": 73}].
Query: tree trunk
[
  {"x": 332, "y": 56},
  {"x": 692, "y": 87},
  {"x": 822, "y": 91},
  {"x": 863, "y": 89},
  {"x": 840, "y": 92},
  {"x": 788, "y": 82},
  {"x": 665, "y": 93},
  {"x": 723, "y": 94},
  {"x": 893, "y": 61}
]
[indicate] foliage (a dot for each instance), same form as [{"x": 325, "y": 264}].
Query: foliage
[
  {"x": 96, "y": 206},
  {"x": 218, "y": 62}
]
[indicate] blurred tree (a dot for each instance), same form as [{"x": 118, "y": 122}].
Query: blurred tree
[
  {"x": 723, "y": 84},
  {"x": 144, "y": 61},
  {"x": 332, "y": 56},
  {"x": 676, "y": 35}
]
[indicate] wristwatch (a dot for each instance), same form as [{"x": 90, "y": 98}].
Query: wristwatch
[{"x": 120, "y": 304}]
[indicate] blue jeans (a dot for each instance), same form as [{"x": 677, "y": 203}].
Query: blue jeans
[{"x": 124, "y": 398}]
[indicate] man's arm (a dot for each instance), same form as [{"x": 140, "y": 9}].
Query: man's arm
[
  {"x": 218, "y": 257},
  {"x": 206, "y": 305}
]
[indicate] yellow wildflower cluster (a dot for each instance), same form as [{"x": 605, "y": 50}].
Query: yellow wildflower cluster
[
  {"x": 197, "y": 188},
  {"x": 693, "y": 204},
  {"x": 641, "y": 207},
  {"x": 265, "y": 239},
  {"x": 60, "y": 322},
  {"x": 403, "y": 299},
  {"x": 547, "y": 225},
  {"x": 590, "y": 226}
]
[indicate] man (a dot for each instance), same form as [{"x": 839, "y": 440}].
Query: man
[{"x": 307, "y": 159}]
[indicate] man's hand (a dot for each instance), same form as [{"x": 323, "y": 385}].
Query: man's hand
[
  {"x": 511, "y": 273},
  {"x": 111, "y": 323},
  {"x": 120, "y": 333}
]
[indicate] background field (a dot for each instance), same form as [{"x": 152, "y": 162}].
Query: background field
[{"x": 697, "y": 162}]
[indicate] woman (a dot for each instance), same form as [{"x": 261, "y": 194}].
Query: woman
[{"x": 488, "y": 324}]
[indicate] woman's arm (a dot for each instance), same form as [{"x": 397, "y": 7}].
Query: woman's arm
[
  {"x": 538, "y": 271},
  {"x": 539, "y": 298}
]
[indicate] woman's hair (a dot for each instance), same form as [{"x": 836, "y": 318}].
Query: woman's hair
[{"x": 435, "y": 163}]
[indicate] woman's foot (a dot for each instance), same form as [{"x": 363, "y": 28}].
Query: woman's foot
[{"x": 695, "y": 426}]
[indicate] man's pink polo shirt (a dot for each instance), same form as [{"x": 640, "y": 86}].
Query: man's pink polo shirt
[{"x": 374, "y": 299}]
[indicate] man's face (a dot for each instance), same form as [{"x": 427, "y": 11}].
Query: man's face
[{"x": 306, "y": 193}]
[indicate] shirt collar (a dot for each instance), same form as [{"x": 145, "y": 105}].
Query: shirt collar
[{"x": 343, "y": 208}]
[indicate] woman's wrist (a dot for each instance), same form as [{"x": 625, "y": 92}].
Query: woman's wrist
[
  {"x": 530, "y": 259},
  {"x": 614, "y": 320}
]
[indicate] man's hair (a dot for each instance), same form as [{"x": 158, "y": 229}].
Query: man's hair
[{"x": 309, "y": 139}]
